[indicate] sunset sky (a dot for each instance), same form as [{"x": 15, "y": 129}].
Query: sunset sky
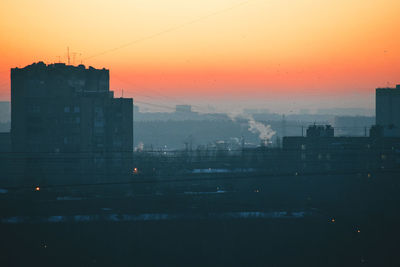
[{"x": 302, "y": 53}]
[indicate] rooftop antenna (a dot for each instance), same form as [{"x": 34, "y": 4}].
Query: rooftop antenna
[{"x": 68, "y": 54}]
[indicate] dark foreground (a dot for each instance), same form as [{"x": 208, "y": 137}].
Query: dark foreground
[{"x": 343, "y": 220}]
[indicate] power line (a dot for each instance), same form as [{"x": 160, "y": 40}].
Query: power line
[
  {"x": 168, "y": 30},
  {"x": 148, "y": 89}
]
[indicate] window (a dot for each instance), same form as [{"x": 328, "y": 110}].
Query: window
[
  {"x": 66, "y": 109},
  {"x": 77, "y": 109}
]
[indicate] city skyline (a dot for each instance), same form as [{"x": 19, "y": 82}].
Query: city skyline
[{"x": 199, "y": 133}]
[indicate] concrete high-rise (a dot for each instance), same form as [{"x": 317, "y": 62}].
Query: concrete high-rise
[
  {"x": 388, "y": 110},
  {"x": 64, "y": 111}
]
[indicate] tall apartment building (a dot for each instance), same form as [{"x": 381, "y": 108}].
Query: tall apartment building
[
  {"x": 388, "y": 110},
  {"x": 69, "y": 115}
]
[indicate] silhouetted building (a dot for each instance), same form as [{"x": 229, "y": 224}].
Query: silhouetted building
[
  {"x": 388, "y": 110},
  {"x": 69, "y": 113},
  {"x": 320, "y": 131},
  {"x": 183, "y": 108},
  {"x": 321, "y": 151},
  {"x": 353, "y": 125}
]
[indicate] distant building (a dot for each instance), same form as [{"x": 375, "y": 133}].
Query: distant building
[
  {"x": 69, "y": 112},
  {"x": 321, "y": 151},
  {"x": 353, "y": 125},
  {"x": 388, "y": 109},
  {"x": 320, "y": 131},
  {"x": 378, "y": 131},
  {"x": 183, "y": 108},
  {"x": 184, "y": 112}
]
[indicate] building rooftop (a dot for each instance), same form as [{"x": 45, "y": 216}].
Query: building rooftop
[
  {"x": 388, "y": 91},
  {"x": 39, "y": 79},
  {"x": 57, "y": 66},
  {"x": 389, "y": 88}
]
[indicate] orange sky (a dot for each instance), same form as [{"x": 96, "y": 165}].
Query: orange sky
[{"x": 224, "y": 49}]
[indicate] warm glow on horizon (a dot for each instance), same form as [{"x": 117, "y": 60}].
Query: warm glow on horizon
[{"x": 203, "y": 49}]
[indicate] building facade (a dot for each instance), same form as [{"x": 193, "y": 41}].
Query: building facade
[
  {"x": 66, "y": 117},
  {"x": 388, "y": 109},
  {"x": 325, "y": 152}
]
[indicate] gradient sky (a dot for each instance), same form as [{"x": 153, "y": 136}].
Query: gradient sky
[{"x": 261, "y": 52}]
